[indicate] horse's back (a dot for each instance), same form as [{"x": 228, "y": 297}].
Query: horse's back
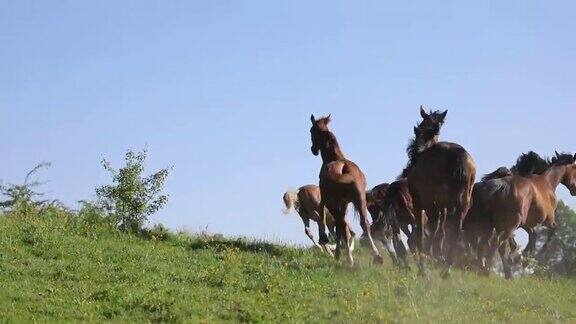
[
  {"x": 341, "y": 173},
  {"x": 309, "y": 196},
  {"x": 442, "y": 172}
]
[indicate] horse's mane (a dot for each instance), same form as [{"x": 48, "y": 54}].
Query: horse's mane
[
  {"x": 531, "y": 163},
  {"x": 563, "y": 159},
  {"x": 323, "y": 122},
  {"x": 498, "y": 174},
  {"x": 421, "y": 141}
]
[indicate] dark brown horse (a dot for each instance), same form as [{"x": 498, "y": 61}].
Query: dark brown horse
[
  {"x": 385, "y": 228},
  {"x": 440, "y": 178},
  {"x": 341, "y": 182},
  {"x": 395, "y": 212},
  {"x": 525, "y": 200}
]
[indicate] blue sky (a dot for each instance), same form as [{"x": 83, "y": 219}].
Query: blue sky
[{"x": 223, "y": 91}]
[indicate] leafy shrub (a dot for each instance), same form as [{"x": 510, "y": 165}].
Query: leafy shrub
[
  {"x": 158, "y": 233},
  {"x": 560, "y": 256},
  {"x": 131, "y": 198},
  {"x": 24, "y": 199}
]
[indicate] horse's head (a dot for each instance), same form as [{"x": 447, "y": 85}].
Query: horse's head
[
  {"x": 319, "y": 127},
  {"x": 569, "y": 179},
  {"x": 431, "y": 123}
]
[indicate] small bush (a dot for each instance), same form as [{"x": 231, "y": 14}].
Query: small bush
[
  {"x": 158, "y": 233},
  {"x": 131, "y": 198},
  {"x": 23, "y": 198}
]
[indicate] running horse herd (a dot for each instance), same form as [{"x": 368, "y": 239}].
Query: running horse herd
[{"x": 435, "y": 202}]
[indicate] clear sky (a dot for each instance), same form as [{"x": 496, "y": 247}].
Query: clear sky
[{"x": 223, "y": 91}]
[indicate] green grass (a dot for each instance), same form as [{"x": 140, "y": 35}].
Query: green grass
[{"x": 57, "y": 268}]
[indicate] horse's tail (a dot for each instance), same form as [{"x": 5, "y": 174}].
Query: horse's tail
[
  {"x": 464, "y": 170},
  {"x": 461, "y": 168},
  {"x": 389, "y": 205},
  {"x": 290, "y": 201}
]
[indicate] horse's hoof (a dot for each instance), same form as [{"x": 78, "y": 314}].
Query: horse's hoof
[{"x": 378, "y": 260}]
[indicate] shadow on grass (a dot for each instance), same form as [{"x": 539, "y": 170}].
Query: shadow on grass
[{"x": 219, "y": 243}]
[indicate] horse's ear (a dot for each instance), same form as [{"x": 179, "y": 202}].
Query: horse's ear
[
  {"x": 423, "y": 112},
  {"x": 415, "y": 130},
  {"x": 575, "y": 157},
  {"x": 312, "y": 119},
  {"x": 557, "y": 155},
  {"x": 329, "y": 118},
  {"x": 443, "y": 115}
]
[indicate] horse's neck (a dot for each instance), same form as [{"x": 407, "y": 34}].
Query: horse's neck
[
  {"x": 554, "y": 175},
  {"x": 331, "y": 150},
  {"x": 429, "y": 143},
  {"x": 420, "y": 145}
]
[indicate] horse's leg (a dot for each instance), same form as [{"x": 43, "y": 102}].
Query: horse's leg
[
  {"x": 409, "y": 235},
  {"x": 387, "y": 242},
  {"x": 514, "y": 256},
  {"x": 551, "y": 232},
  {"x": 338, "y": 250},
  {"x": 434, "y": 224},
  {"x": 347, "y": 239},
  {"x": 342, "y": 233},
  {"x": 482, "y": 247},
  {"x": 360, "y": 205},
  {"x": 504, "y": 250},
  {"x": 457, "y": 243},
  {"x": 400, "y": 250},
  {"x": 488, "y": 257},
  {"x": 419, "y": 235},
  {"x": 306, "y": 222},
  {"x": 440, "y": 235},
  {"x": 531, "y": 245},
  {"x": 322, "y": 237},
  {"x": 332, "y": 231}
]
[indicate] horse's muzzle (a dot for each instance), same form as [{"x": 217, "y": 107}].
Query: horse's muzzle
[{"x": 314, "y": 151}]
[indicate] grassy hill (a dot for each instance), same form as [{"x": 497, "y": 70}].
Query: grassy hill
[{"x": 56, "y": 267}]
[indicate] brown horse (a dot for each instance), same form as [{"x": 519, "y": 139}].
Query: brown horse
[
  {"x": 478, "y": 224},
  {"x": 341, "y": 182},
  {"x": 440, "y": 178},
  {"x": 525, "y": 201},
  {"x": 306, "y": 201}
]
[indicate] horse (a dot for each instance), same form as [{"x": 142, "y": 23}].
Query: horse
[
  {"x": 440, "y": 177},
  {"x": 561, "y": 169},
  {"x": 385, "y": 229},
  {"x": 396, "y": 213},
  {"x": 306, "y": 201},
  {"x": 526, "y": 200},
  {"x": 478, "y": 224},
  {"x": 341, "y": 182}
]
